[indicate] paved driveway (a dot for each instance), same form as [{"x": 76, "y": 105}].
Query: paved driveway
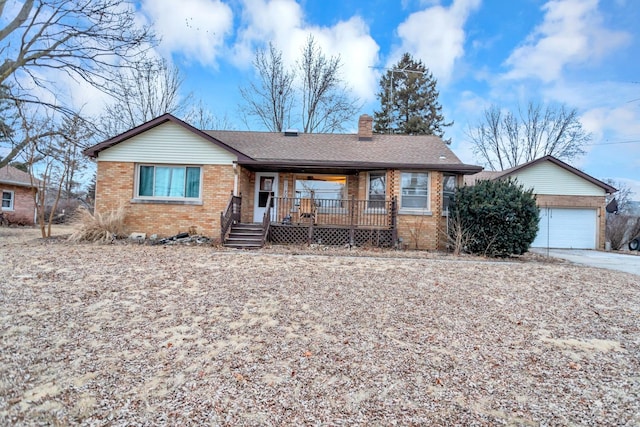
[{"x": 610, "y": 260}]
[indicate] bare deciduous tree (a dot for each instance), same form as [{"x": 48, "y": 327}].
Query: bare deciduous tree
[
  {"x": 87, "y": 40},
  {"x": 77, "y": 137},
  {"x": 271, "y": 98},
  {"x": 312, "y": 94},
  {"x": 623, "y": 196},
  {"x": 142, "y": 94},
  {"x": 504, "y": 140},
  {"x": 621, "y": 226},
  {"x": 202, "y": 118},
  {"x": 326, "y": 105},
  {"x": 26, "y": 124},
  {"x": 52, "y": 156}
]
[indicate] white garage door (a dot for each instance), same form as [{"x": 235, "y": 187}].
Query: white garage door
[{"x": 566, "y": 228}]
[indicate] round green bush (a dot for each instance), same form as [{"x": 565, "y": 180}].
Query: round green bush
[{"x": 499, "y": 218}]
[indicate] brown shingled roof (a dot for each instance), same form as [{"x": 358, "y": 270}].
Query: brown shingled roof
[
  {"x": 329, "y": 151},
  {"x": 14, "y": 176},
  {"x": 344, "y": 150}
]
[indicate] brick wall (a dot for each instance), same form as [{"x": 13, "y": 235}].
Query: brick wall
[
  {"x": 422, "y": 231},
  {"x": 115, "y": 187},
  {"x": 246, "y": 186},
  {"x": 597, "y": 202},
  {"x": 23, "y": 204}
]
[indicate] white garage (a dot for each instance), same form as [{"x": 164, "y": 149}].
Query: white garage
[
  {"x": 571, "y": 203},
  {"x": 567, "y": 228}
]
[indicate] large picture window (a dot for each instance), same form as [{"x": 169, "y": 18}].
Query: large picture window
[
  {"x": 377, "y": 191},
  {"x": 7, "y": 200},
  {"x": 169, "y": 182},
  {"x": 326, "y": 190},
  {"x": 415, "y": 191}
]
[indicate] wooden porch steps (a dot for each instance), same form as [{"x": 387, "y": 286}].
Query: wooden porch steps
[{"x": 245, "y": 236}]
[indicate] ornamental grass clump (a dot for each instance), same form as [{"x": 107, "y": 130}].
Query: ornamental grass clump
[{"x": 99, "y": 227}]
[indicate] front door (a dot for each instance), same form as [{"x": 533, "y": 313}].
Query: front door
[{"x": 266, "y": 184}]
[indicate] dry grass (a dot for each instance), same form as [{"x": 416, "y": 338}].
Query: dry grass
[
  {"x": 147, "y": 335},
  {"x": 99, "y": 227}
]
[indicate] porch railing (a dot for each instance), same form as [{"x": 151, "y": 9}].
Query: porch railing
[
  {"x": 335, "y": 212},
  {"x": 231, "y": 215}
]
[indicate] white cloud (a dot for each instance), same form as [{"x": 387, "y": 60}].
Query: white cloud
[
  {"x": 283, "y": 23},
  {"x": 358, "y": 52},
  {"x": 436, "y": 36},
  {"x": 264, "y": 21},
  {"x": 572, "y": 33},
  {"x": 622, "y": 123},
  {"x": 605, "y": 108},
  {"x": 194, "y": 28}
]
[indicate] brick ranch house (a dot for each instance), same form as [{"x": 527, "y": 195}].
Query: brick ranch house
[
  {"x": 327, "y": 188},
  {"x": 18, "y": 196},
  {"x": 572, "y": 203}
]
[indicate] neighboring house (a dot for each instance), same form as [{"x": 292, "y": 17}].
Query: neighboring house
[
  {"x": 18, "y": 191},
  {"x": 572, "y": 203},
  {"x": 326, "y": 188}
]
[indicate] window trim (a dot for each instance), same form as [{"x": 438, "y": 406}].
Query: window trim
[
  {"x": 137, "y": 198},
  {"x": 416, "y": 211},
  {"x": 382, "y": 209},
  {"x": 12, "y": 200}
]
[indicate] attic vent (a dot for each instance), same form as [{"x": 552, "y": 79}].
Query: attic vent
[{"x": 291, "y": 132}]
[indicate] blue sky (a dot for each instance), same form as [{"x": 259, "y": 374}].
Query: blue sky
[{"x": 583, "y": 53}]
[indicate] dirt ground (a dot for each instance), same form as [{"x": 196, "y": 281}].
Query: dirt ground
[{"x": 126, "y": 334}]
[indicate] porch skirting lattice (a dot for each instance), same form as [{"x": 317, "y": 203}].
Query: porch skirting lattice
[{"x": 330, "y": 235}]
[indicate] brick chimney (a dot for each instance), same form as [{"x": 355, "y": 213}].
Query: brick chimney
[{"x": 365, "y": 128}]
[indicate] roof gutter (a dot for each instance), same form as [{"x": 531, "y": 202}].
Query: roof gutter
[
  {"x": 19, "y": 183},
  {"x": 310, "y": 165}
]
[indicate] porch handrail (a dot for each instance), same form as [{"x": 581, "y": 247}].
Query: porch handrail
[
  {"x": 266, "y": 220},
  {"x": 231, "y": 215},
  {"x": 347, "y": 212}
]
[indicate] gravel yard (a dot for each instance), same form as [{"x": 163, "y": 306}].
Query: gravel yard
[{"x": 185, "y": 335}]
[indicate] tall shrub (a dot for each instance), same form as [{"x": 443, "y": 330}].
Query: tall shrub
[{"x": 500, "y": 217}]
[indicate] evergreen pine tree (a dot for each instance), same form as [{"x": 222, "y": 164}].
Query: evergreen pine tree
[{"x": 409, "y": 101}]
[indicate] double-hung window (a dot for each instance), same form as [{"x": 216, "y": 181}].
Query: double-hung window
[
  {"x": 7, "y": 200},
  {"x": 415, "y": 191},
  {"x": 168, "y": 182},
  {"x": 377, "y": 190}
]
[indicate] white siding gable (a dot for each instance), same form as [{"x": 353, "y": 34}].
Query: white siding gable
[
  {"x": 551, "y": 179},
  {"x": 167, "y": 143}
]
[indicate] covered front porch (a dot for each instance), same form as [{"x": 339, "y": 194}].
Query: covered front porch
[
  {"x": 312, "y": 220},
  {"x": 299, "y": 220}
]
